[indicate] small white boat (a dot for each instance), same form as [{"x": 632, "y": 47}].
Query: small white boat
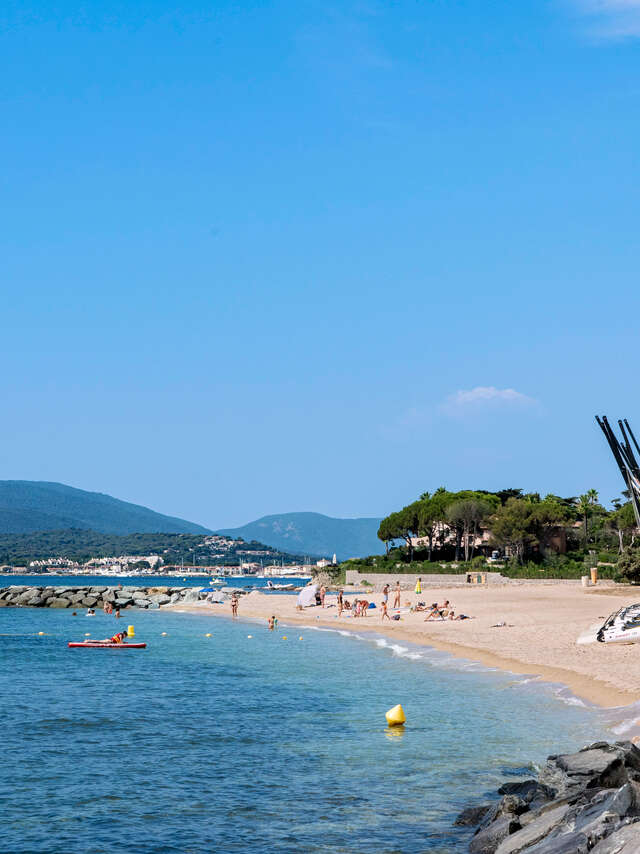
[
  {"x": 217, "y": 581},
  {"x": 621, "y": 627}
]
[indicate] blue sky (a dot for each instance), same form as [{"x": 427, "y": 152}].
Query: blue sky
[{"x": 271, "y": 256}]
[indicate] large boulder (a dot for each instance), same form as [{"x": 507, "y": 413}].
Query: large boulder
[
  {"x": 626, "y": 840},
  {"x": 36, "y": 602},
  {"x": 160, "y": 598},
  {"x": 534, "y": 831},
  {"x": 600, "y": 765},
  {"x": 58, "y": 602},
  {"x": 192, "y": 595},
  {"x": 29, "y": 593},
  {"x": 89, "y": 601},
  {"x": 487, "y": 840},
  {"x": 472, "y": 816}
]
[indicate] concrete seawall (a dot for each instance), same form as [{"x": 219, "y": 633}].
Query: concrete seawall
[
  {"x": 408, "y": 580},
  {"x": 95, "y": 597}
]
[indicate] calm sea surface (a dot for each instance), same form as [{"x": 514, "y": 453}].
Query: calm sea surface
[{"x": 238, "y": 744}]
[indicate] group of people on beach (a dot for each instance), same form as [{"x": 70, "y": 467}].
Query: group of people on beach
[{"x": 434, "y": 611}]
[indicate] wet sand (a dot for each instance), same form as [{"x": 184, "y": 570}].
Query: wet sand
[{"x": 543, "y": 624}]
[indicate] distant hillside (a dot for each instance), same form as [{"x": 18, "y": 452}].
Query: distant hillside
[
  {"x": 189, "y": 549},
  {"x": 27, "y": 506},
  {"x": 314, "y": 534}
]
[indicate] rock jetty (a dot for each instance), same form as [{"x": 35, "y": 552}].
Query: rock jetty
[
  {"x": 582, "y": 802},
  {"x": 95, "y": 597}
]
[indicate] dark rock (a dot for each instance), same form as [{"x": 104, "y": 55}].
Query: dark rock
[
  {"x": 569, "y": 843},
  {"x": 626, "y": 840},
  {"x": 602, "y": 814},
  {"x": 599, "y": 765},
  {"x": 90, "y": 601},
  {"x": 487, "y": 840},
  {"x": 535, "y": 831},
  {"x": 528, "y": 790},
  {"x": 472, "y": 816},
  {"x": 36, "y": 602}
]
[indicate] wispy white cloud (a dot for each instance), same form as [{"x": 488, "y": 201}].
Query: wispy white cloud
[
  {"x": 611, "y": 19},
  {"x": 483, "y": 397}
]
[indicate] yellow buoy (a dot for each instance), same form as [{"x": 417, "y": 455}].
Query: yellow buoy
[
  {"x": 395, "y": 716},
  {"x": 300, "y": 638},
  {"x": 130, "y": 632},
  {"x": 249, "y": 636},
  {"x": 284, "y": 637},
  {"x": 208, "y": 635},
  {"x": 164, "y": 634},
  {"x": 86, "y": 634},
  {"x": 40, "y": 633}
]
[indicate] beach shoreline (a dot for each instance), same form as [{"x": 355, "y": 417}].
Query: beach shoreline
[{"x": 542, "y": 624}]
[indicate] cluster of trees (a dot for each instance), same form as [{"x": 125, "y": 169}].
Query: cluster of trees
[{"x": 520, "y": 524}]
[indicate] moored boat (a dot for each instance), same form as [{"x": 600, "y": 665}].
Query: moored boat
[{"x": 623, "y": 626}]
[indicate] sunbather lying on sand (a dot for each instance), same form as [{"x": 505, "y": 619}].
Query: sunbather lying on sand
[
  {"x": 438, "y": 612},
  {"x": 454, "y": 616}
]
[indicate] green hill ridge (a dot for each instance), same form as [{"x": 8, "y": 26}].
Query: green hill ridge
[
  {"x": 27, "y": 506},
  {"x": 313, "y": 534}
]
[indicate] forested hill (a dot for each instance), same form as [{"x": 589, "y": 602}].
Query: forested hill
[
  {"x": 27, "y": 506},
  {"x": 314, "y": 534}
]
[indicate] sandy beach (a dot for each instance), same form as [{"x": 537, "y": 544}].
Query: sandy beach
[{"x": 543, "y": 624}]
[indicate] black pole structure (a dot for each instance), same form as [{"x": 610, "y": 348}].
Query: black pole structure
[{"x": 625, "y": 459}]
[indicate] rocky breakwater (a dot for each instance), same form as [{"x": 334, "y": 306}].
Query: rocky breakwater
[
  {"x": 95, "y": 597},
  {"x": 582, "y": 802}
]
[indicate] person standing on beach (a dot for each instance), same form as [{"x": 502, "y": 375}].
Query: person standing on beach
[
  {"x": 340, "y": 603},
  {"x": 396, "y": 596},
  {"x": 385, "y": 594},
  {"x": 234, "y": 605},
  {"x": 323, "y": 593},
  {"x": 385, "y": 612}
]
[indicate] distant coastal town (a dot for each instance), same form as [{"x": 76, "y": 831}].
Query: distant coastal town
[{"x": 213, "y": 555}]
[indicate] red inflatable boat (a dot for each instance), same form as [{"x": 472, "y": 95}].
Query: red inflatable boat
[{"x": 98, "y": 645}]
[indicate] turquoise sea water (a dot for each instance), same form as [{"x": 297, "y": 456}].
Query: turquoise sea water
[{"x": 238, "y": 744}]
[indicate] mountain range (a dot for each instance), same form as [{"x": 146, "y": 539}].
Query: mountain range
[
  {"x": 313, "y": 534},
  {"x": 28, "y": 506}
]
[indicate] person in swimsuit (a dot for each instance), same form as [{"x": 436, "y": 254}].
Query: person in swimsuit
[
  {"x": 119, "y": 637},
  {"x": 385, "y": 612},
  {"x": 234, "y": 605},
  {"x": 396, "y": 595}
]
